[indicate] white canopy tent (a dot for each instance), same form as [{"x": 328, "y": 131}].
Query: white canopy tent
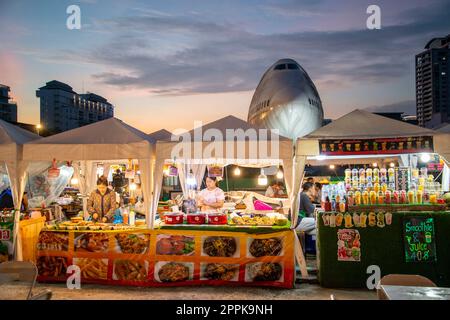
[
  {"x": 358, "y": 124},
  {"x": 226, "y": 141},
  {"x": 12, "y": 139},
  {"x": 104, "y": 141}
]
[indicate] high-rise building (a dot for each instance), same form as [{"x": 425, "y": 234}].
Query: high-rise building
[
  {"x": 8, "y": 108},
  {"x": 432, "y": 83},
  {"x": 63, "y": 109}
]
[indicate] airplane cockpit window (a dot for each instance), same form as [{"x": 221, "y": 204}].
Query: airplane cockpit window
[
  {"x": 292, "y": 66},
  {"x": 280, "y": 67}
]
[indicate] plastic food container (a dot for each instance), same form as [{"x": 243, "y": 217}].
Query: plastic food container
[
  {"x": 173, "y": 218},
  {"x": 217, "y": 218},
  {"x": 198, "y": 218}
]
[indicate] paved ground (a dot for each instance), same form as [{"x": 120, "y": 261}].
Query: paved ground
[{"x": 100, "y": 292}]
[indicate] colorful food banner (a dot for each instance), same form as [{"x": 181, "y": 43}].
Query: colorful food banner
[
  {"x": 168, "y": 257},
  {"x": 6, "y": 241},
  {"x": 376, "y": 146}
]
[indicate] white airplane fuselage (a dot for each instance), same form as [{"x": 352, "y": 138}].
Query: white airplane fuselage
[{"x": 286, "y": 99}]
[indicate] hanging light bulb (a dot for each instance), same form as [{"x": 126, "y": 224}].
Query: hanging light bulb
[
  {"x": 392, "y": 165},
  {"x": 133, "y": 186},
  {"x": 190, "y": 179},
  {"x": 74, "y": 181},
  {"x": 425, "y": 157},
  {"x": 262, "y": 178},
  {"x": 237, "y": 171},
  {"x": 280, "y": 174},
  {"x": 332, "y": 166}
]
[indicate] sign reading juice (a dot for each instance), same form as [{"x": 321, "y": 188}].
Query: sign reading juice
[{"x": 419, "y": 239}]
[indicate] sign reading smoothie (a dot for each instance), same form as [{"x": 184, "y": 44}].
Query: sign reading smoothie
[{"x": 419, "y": 239}]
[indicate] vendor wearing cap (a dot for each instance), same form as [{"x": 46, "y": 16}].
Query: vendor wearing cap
[
  {"x": 102, "y": 202},
  {"x": 212, "y": 197}
]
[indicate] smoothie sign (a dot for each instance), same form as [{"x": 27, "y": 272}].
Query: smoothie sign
[{"x": 419, "y": 239}]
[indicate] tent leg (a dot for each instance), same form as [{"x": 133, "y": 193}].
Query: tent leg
[{"x": 299, "y": 257}]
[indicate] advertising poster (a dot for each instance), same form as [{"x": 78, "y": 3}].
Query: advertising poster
[{"x": 349, "y": 245}]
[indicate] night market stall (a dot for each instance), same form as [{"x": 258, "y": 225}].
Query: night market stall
[
  {"x": 236, "y": 244},
  {"x": 13, "y": 175},
  {"x": 387, "y": 213},
  {"x": 69, "y": 241}
]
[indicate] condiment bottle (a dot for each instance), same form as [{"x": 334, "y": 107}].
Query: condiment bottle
[{"x": 132, "y": 218}]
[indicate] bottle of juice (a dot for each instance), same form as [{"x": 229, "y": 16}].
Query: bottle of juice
[
  {"x": 419, "y": 197},
  {"x": 373, "y": 197},
  {"x": 411, "y": 196},
  {"x": 348, "y": 174},
  {"x": 365, "y": 197},
  {"x": 384, "y": 187},
  {"x": 380, "y": 199},
  {"x": 358, "y": 198},
  {"x": 342, "y": 206},
  {"x": 369, "y": 177},
  {"x": 396, "y": 197},
  {"x": 403, "y": 198},
  {"x": 362, "y": 220},
  {"x": 387, "y": 197},
  {"x": 332, "y": 220},
  {"x": 433, "y": 197},
  {"x": 391, "y": 175},
  {"x": 376, "y": 187}
]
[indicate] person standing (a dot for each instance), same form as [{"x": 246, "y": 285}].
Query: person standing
[{"x": 102, "y": 202}]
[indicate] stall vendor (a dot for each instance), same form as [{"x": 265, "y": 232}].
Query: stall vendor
[
  {"x": 212, "y": 197},
  {"x": 102, "y": 202}
]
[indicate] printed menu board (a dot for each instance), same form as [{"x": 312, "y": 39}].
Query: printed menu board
[
  {"x": 402, "y": 175},
  {"x": 419, "y": 239}
]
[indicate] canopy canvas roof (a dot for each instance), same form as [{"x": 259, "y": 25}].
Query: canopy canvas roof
[
  {"x": 229, "y": 140},
  {"x": 104, "y": 140},
  {"x": 10, "y": 137},
  {"x": 362, "y": 124},
  {"x": 224, "y": 137},
  {"x": 161, "y": 135}
]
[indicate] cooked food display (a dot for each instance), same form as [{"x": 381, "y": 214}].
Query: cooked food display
[
  {"x": 219, "y": 271},
  {"x": 173, "y": 272},
  {"x": 130, "y": 270},
  {"x": 265, "y": 271},
  {"x": 52, "y": 266},
  {"x": 92, "y": 268},
  {"x": 175, "y": 245},
  {"x": 58, "y": 241},
  {"x": 92, "y": 242},
  {"x": 132, "y": 242},
  {"x": 266, "y": 247},
  {"x": 258, "y": 219},
  {"x": 220, "y": 246}
]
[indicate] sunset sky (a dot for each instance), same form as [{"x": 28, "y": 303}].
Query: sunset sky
[{"x": 164, "y": 64}]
